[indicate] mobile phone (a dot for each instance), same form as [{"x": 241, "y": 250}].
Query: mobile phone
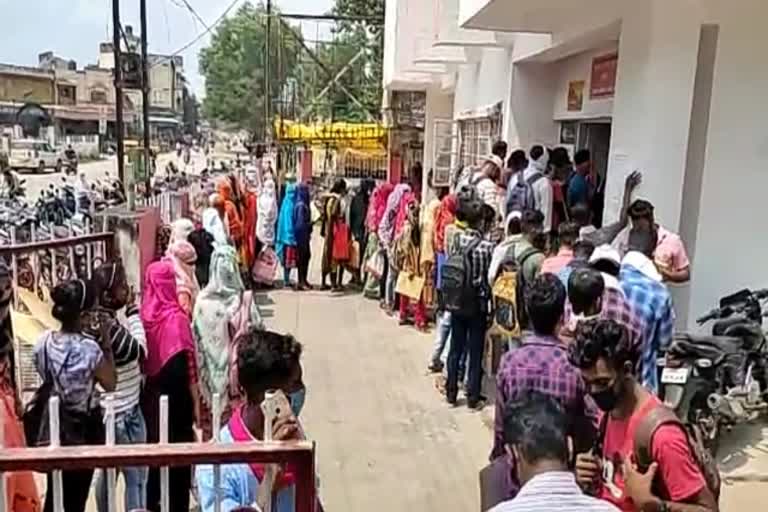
[{"x": 276, "y": 406}]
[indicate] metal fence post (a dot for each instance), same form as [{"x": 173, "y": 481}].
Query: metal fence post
[
  {"x": 55, "y": 435},
  {"x": 216, "y": 426},
  {"x": 111, "y": 473},
  {"x": 165, "y": 502}
]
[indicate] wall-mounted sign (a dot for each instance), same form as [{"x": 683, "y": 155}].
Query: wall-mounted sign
[
  {"x": 603, "y": 81},
  {"x": 575, "y": 95}
]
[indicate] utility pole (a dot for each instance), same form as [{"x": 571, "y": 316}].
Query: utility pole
[
  {"x": 267, "y": 73},
  {"x": 119, "y": 129},
  {"x": 145, "y": 96}
]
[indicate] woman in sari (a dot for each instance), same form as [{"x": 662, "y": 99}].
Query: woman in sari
[
  {"x": 445, "y": 216},
  {"x": 427, "y": 250},
  {"x": 302, "y": 225},
  {"x": 180, "y": 230},
  {"x": 224, "y": 310},
  {"x": 386, "y": 232},
  {"x": 171, "y": 370},
  {"x": 407, "y": 260},
  {"x": 334, "y": 218},
  {"x": 181, "y": 254},
  {"x": 234, "y": 220},
  {"x": 215, "y": 220},
  {"x": 20, "y": 489},
  {"x": 267, "y": 215},
  {"x": 250, "y": 216},
  {"x": 286, "y": 234},
  {"x": 374, "y": 283}
]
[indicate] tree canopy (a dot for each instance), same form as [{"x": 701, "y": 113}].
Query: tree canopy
[{"x": 234, "y": 67}]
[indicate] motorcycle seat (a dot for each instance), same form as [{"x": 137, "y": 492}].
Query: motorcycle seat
[{"x": 714, "y": 348}]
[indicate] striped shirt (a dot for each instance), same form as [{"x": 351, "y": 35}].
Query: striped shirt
[
  {"x": 129, "y": 346},
  {"x": 553, "y": 491}
]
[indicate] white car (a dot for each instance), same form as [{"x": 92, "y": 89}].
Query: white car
[{"x": 34, "y": 155}]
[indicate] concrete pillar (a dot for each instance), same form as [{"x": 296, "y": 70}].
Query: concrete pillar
[
  {"x": 305, "y": 164},
  {"x": 135, "y": 236},
  {"x": 658, "y": 51}
]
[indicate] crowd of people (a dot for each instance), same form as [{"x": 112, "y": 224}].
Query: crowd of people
[
  {"x": 568, "y": 314},
  {"x": 196, "y": 333},
  {"x": 509, "y": 265}
]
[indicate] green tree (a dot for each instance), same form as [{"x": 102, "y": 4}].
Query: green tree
[
  {"x": 234, "y": 67},
  {"x": 363, "y": 79}
]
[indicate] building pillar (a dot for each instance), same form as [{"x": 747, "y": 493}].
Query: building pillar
[{"x": 658, "y": 51}]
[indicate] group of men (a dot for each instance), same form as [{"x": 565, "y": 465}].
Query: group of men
[{"x": 592, "y": 311}]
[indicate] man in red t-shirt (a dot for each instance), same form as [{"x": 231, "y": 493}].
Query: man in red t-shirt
[{"x": 606, "y": 357}]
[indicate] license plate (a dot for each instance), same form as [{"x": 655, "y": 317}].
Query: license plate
[{"x": 675, "y": 375}]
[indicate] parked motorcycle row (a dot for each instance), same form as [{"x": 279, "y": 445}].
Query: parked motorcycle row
[{"x": 715, "y": 382}]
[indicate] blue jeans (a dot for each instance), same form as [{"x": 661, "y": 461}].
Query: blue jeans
[
  {"x": 442, "y": 336},
  {"x": 129, "y": 429},
  {"x": 467, "y": 339}
]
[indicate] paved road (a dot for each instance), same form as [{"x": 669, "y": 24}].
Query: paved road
[
  {"x": 99, "y": 169},
  {"x": 385, "y": 438}
]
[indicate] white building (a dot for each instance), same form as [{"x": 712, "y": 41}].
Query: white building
[{"x": 670, "y": 87}]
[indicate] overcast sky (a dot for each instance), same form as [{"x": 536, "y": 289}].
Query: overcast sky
[{"x": 73, "y": 29}]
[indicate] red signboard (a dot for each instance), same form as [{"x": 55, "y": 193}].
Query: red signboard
[{"x": 603, "y": 82}]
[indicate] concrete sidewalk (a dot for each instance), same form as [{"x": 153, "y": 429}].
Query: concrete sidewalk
[{"x": 386, "y": 439}]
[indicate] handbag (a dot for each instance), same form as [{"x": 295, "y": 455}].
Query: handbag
[
  {"x": 354, "y": 255},
  {"x": 265, "y": 268},
  {"x": 375, "y": 264},
  {"x": 409, "y": 285},
  {"x": 340, "y": 242}
]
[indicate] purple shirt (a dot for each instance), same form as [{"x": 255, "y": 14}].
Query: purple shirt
[{"x": 541, "y": 364}]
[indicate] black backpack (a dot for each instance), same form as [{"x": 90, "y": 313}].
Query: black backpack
[{"x": 457, "y": 293}]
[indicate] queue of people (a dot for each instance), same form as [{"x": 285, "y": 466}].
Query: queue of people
[
  {"x": 195, "y": 333},
  {"x": 506, "y": 264},
  {"x": 570, "y": 316}
]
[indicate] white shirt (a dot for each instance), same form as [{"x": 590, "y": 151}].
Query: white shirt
[
  {"x": 642, "y": 263},
  {"x": 555, "y": 491},
  {"x": 542, "y": 192}
]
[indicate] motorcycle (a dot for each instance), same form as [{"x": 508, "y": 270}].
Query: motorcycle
[{"x": 716, "y": 382}]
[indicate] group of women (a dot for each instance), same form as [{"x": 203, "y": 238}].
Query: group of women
[
  {"x": 403, "y": 248},
  {"x": 185, "y": 349}
]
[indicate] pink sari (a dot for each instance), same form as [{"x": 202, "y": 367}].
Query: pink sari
[
  {"x": 183, "y": 256},
  {"x": 165, "y": 322}
]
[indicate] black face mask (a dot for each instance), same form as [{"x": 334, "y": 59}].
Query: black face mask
[{"x": 607, "y": 399}]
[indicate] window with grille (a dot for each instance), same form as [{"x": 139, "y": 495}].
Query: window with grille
[
  {"x": 444, "y": 151},
  {"x": 476, "y": 137}
]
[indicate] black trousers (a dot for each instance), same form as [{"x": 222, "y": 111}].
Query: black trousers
[
  {"x": 304, "y": 254},
  {"x": 173, "y": 381},
  {"x": 76, "y": 486}
]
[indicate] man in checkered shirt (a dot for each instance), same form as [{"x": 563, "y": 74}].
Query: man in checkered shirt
[
  {"x": 541, "y": 365},
  {"x": 468, "y": 332},
  {"x": 650, "y": 299}
]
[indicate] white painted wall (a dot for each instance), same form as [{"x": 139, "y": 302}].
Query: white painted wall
[
  {"x": 483, "y": 82},
  {"x": 652, "y": 106},
  {"x": 579, "y": 67},
  {"x": 409, "y": 29},
  {"x": 731, "y": 249}
]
